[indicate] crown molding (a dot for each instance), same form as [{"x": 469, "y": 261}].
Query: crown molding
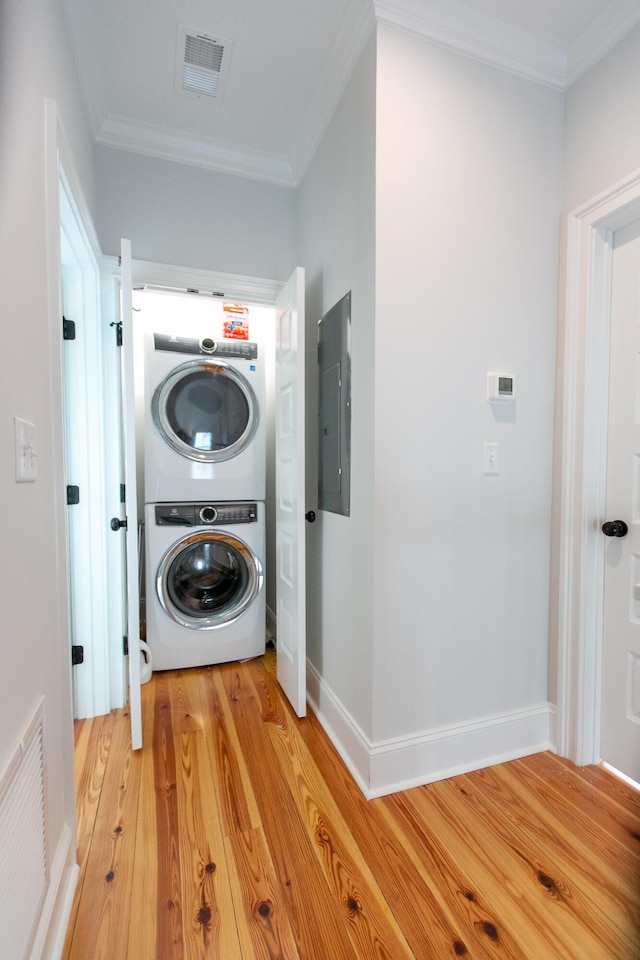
[
  {"x": 479, "y": 35},
  {"x": 600, "y": 36},
  {"x": 453, "y": 24},
  {"x": 345, "y": 53},
  {"x": 86, "y": 58},
  {"x": 167, "y": 144},
  {"x": 493, "y": 40}
]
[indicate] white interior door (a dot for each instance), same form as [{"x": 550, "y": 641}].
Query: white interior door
[
  {"x": 620, "y": 715},
  {"x": 131, "y": 503},
  {"x": 290, "y": 493}
]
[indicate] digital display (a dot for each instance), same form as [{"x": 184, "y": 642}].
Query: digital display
[{"x": 505, "y": 385}]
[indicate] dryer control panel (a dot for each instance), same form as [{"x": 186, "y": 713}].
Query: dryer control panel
[
  {"x": 205, "y": 514},
  {"x": 206, "y": 347}
]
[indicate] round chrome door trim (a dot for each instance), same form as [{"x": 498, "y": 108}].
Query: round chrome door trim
[
  {"x": 161, "y": 419},
  {"x": 255, "y": 579}
]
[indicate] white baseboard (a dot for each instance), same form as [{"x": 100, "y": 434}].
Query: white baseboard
[
  {"x": 553, "y": 727},
  {"x": 344, "y": 733},
  {"x": 54, "y": 919},
  {"x": 403, "y": 762}
]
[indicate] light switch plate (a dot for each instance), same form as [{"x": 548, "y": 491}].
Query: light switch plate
[
  {"x": 26, "y": 456},
  {"x": 490, "y": 465}
]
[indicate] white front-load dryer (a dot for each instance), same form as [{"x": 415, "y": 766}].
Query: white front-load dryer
[
  {"x": 204, "y": 430},
  {"x": 205, "y": 597}
]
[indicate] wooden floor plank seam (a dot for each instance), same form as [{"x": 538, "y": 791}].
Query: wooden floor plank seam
[{"x": 238, "y": 833}]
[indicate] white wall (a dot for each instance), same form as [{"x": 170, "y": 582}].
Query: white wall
[
  {"x": 469, "y": 176},
  {"x": 336, "y": 223},
  {"x": 602, "y": 128},
  {"x": 189, "y": 216},
  {"x": 35, "y": 63},
  {"x": 602, "y": 146}
]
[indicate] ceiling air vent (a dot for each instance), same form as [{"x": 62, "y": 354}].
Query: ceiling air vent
[{"x": 202, "y": 64}]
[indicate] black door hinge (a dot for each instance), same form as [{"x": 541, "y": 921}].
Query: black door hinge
[
  {"x": 77, "y": 655},
  {"x": 68, "y": 329},
  {"x": 118, "y": 325},
  {"x": 73, "y": 495},
  {"x": 125, "y": 646}
]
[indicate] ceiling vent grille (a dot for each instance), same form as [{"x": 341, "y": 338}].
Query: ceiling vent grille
[{"x": 202, "y": 64}]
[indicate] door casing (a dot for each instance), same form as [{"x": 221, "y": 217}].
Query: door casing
[{"x": 578, "y": 546}]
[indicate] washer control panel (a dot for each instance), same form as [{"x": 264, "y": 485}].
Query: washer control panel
[
  {"x": 205, "y": 514},
  {"x": 206, "y": 346}
]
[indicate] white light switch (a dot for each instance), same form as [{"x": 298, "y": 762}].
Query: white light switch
[
  {"x": 490, "y": 465},
  {"x": 26, "y": 456}
]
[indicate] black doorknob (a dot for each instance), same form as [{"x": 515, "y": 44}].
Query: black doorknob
[
  {"x": 615, "y": 528},
  {"x": 310, "y": 516},
  {"x": 116, "y": 523}
]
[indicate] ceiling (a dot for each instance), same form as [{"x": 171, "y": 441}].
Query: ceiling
[{"x": 288, "y": 62}]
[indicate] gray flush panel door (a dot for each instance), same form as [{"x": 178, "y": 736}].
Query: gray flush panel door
[{"x": 334, "y": 355}]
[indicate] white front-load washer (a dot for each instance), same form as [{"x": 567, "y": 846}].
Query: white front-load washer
[
  {"x": 204, "y": 430},
  {"x": 205, "y": 597}
]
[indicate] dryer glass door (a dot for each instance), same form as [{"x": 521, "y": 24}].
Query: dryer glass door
[
  {"x": 208, "y": 579},
  {"x": 206, "y": 410}
]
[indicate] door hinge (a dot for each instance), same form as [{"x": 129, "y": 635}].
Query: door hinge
[
  {"x": 123, "y": 493},
  {"x": 125, "y": 646},
  {"x": 77, "y": 655},
  {"x": 68, "y": 329},
  {"x": 118, "y": 325},
  {"x": 73, "y": 495}
]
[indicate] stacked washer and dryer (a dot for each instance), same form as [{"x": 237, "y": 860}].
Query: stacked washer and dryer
[{"x": 204, "y": 465}]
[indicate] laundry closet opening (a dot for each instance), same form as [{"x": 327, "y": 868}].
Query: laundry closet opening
[{"x": 204, "y": 375}]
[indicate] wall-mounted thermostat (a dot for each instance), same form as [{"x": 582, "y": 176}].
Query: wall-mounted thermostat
[{"x": 499, "y": 387}]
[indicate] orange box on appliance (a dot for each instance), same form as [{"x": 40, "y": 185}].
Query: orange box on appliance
[{"x": 236, "y": 321}]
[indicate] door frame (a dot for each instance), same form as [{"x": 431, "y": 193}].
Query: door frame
[
  {"x": 170, "y": 278},
  {"x": 100, "y": 686},
  {"x": 579, "y": 546},
  {"x": 96, "y": 621}
]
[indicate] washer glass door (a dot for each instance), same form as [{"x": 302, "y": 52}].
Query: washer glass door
[
  {"x": 206, "y": 410},
  {"x": 208, "y": 579}
]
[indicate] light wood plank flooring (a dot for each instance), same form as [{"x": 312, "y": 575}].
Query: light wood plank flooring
[{"x": 238, "y": 834}]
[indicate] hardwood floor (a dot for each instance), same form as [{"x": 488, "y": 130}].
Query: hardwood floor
[{"x": 238, "y": 834}]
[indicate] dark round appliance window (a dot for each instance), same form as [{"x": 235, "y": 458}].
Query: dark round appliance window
[
  {"x": 207, "y": 410},
  {"x": 207, "y": 578}
]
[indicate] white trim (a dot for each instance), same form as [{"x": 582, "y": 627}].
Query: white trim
[
  {"x": 149, "y": 139},
  {"x": 227, "y": 286},
  {"x": 345, "y": 734},
  {"x": 431, "y": 755},
  {"x": 356, "y": 29},
  {"x": 98, "y": 685},
  {"x": 622, "y": 776},
  {"x": 583, "y": 464},
  {"x": 497, "y": 41},
  {"x": 611, "y": 25},
  {"x": 480, "y": 35},
  {"x": 56, "y": 910},
  {"x": 454, "y": 24},
  {"x": 404, "y": 762}
]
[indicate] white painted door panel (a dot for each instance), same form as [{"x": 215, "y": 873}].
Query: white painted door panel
[
  {"x": 620, "y": 715},
  {"x": 131, "y": 503},
  {"x": 290, "y": 493}
]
